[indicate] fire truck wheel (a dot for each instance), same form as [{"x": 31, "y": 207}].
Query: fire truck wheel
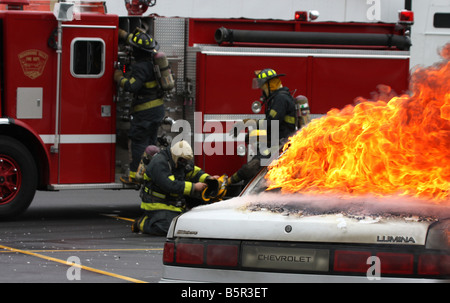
[{"x": 18, "y": 177}]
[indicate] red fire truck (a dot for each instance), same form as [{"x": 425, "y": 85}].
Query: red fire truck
[{"x": 63, "y": 121}]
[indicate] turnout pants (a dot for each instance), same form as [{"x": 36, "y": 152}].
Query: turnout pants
[
  {"x": 156, "y": 222},
  {"x": 144, "y": 132}
]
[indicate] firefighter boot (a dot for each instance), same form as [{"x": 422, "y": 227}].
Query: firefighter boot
[{"x": 135, "y": 226}]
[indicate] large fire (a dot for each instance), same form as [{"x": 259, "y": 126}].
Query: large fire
[{"x": 399, "y": 146}]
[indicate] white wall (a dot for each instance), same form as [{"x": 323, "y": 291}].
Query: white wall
[
  {"x": 426, "y": 39},
  {"x": 330, "y": 10}
]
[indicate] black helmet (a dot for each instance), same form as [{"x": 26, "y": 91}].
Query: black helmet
[
  {"x": 264, "y": 76},
  {"x": 143, "y": 41}
]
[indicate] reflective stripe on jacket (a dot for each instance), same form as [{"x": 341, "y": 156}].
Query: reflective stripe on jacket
[
  {"x": 281, "y": 107},
  {"x": 143, "y": 84},
  {"x": 167, "y": 184}
]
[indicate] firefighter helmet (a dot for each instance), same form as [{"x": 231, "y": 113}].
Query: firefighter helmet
[
  {"x": 264, "y": 76},
  {"x": 143, "y": 41},
  {"x": 181, "y": 150}
]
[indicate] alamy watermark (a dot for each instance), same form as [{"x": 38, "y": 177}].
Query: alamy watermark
[
  {"x": 74, "y": 271},
  {"x": 374, "y": 271},
  {"x": 218, "y": 137},
  {"x": 374, "y": 10}
]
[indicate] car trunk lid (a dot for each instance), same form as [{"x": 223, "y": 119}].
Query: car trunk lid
[{"x": 265, "y": 217}]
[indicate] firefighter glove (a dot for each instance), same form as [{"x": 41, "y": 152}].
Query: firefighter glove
[{"x": 216, "y": 189}]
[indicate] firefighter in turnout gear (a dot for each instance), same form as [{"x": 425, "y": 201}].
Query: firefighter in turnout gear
[
  {"x": 172, "y": 185},
  {"x": 280, "y": 107},
  {"x": 279, "y": 103},
  {"x": 147, "y": 106}
]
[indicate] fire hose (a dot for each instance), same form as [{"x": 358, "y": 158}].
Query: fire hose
[{"x": 251, "y": 36}]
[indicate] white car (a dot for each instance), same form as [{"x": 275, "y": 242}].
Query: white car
[{"x": 269, "y": 237}]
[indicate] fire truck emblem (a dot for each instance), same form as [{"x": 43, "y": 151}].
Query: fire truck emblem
[{"x": 33, "y": 62}]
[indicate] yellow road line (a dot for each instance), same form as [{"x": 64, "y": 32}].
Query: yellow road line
[{"x": 72, "y": 264}]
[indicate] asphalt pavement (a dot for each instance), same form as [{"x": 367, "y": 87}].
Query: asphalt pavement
[{"x": 78, "y": 236}]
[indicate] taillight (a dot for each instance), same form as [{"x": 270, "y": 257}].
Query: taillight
[
  {"x": 222, "y": 255},
  {"x": 211, "y": 253},
  {"x": 189, "y": 253},
  {"x": 408, "y": 262},
  {"x": 168, "y": 253},
  {"x": 396, "y": 263},
  {"x": 393, "y": 263},
  {"x": 434, "y": 264},
  {"x": 351, "y": 261}
]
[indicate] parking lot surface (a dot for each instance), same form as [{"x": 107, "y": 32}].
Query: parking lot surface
[{"x": 79, "y": 236}]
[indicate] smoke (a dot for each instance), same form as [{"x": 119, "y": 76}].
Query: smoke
[
  {"x": 445, "y": 52},
  {"x": 297, "y": 204}
]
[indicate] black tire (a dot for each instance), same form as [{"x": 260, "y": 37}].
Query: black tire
[{"x": 18, "y": 177}]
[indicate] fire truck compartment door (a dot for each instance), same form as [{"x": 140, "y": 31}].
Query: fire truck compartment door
[
  {"x": 87, "y": 124},
  {"x": 29, "y": 102}
]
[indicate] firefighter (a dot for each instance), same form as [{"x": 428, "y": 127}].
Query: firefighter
[
  {"x": 280, "y": 107},
  {"x": 147, "y": 105},
  {"x": 148, "y": 154},
  {"x": 173, "y": 185}
]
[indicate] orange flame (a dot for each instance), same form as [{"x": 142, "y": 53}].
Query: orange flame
[{"x": 400, "y": 146}]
